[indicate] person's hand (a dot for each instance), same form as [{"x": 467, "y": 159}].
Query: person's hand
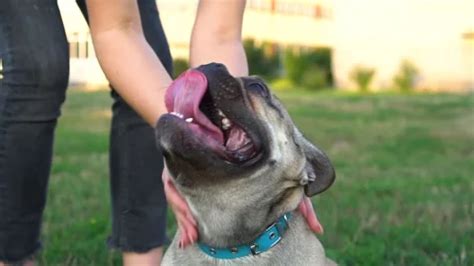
[
  {"x": 186, "y": 223},
  {"x": 306, "y": 209}
]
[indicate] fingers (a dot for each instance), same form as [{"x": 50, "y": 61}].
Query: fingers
[
  {"x": 187, "y": 225},
  {"x": 307, "y": 210},
  {"x": 188, "y": 232},
  {"x": 177, "y": 202}
]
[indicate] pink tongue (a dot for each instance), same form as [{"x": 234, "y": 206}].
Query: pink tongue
[
  {"x": 239, "y": 143},
  {"x": 236, "y": 139},
  {"x": 184, "y": 96}
]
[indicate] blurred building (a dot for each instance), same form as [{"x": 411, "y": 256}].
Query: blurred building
[
  {"x": 84, "y": 67},
  {"x": 436, "y": 35},
  {"x": 282, "y": 22}
]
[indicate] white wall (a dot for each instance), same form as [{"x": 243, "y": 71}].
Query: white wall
[
  {"x": 381, "y": 33},
  {"x": 81, "y": 70}
]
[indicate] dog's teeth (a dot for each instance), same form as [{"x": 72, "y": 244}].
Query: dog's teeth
[
  {"x": 312, "y": 177},
  {"x": 220, "y": 113},
  {"x": 189, "y": 119},
  {"x": 226, "y": 123},
  {"x": 177, "y": 114}
]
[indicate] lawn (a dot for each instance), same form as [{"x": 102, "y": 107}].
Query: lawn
[{"x": 404, "y": 193}]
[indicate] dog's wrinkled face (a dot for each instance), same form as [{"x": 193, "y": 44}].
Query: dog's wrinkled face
[{"x": 229, "y": 143}]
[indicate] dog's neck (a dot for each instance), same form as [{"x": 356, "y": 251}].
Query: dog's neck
[
  {"x": 221, "y": 225},
  {"x": 221, "y": 228}
]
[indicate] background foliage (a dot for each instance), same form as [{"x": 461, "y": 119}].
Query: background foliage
[
  {"x": 405, "y": 79},
  {"x": 292, "y": 67},
  {"x": 362, "y": 76}
]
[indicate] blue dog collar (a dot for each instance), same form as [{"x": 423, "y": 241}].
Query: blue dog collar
[{"x": 265, "y": 241}]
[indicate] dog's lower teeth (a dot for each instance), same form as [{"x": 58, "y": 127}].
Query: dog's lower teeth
[
  {"x": 220, "y": 113},
  {"x": 177, "y": 114},
  {"x": 189, "y": 119},
  {"x": 226, "y": 123}
]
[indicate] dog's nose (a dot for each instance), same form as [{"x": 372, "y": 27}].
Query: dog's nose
[
  {"x": 218, "y": 66},
  {"x": 215, "y": 66},
  {"x": 220, "y": 83},
  {"x": 214, "y": 70}
]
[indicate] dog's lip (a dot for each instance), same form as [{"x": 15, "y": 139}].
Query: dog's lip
[
  {"x": 187, "y": 132},
  {"x": 192, "y": 133},
  {"x": 203, "y": 141}
]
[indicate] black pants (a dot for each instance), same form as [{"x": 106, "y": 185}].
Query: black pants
[{"x": 34, "y": 53}]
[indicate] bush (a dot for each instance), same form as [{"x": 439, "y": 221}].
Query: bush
[
  {"x": 406, "y": 77},
  {"x": 314, "y": 77},
  {"x": 282, "y": 84},
  {"x": 179, "y": 66},
  {"x": 309, "y": 67},
  {"x": 263, "y": 59},
  {"x": 362, "y": 76}
]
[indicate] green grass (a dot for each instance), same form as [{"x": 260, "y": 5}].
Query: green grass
[{"x": 404, "y": 193}]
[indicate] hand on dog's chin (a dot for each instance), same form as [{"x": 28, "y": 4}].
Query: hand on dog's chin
[{"x": 187, "y": 225}]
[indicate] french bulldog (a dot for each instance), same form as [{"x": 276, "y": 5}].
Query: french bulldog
[{"x": 243, "y": 167}]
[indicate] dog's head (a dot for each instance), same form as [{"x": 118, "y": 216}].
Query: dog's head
[{"x": 230, "y": 140}]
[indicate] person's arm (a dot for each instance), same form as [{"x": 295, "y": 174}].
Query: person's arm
[
  {"x": 217, "y": 35},
  {"x": 133, "y": 69},
  {"x": 128, "y": 61}
]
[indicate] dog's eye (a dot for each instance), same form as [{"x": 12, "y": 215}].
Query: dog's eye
[{"x": 259, "y": 88}]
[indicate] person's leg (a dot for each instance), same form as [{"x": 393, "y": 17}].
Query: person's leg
[
  {"x": 138, "y": 200},
  {"x": 33, "y": 80}
]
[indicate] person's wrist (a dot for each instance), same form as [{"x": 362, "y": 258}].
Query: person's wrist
[{"x": 162, "y": 106}]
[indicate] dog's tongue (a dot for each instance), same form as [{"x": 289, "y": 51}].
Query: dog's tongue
[
  {"x": 184, "y": 96},
  {"x": 239, "y": 144}
]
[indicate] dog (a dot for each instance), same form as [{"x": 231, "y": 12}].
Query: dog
[{"x": 243, "y": 167}]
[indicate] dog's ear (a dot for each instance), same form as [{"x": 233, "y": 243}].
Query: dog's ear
[{"x": 319, "y": 172}]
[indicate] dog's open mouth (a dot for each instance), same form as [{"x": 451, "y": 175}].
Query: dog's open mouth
[{"x": 199, "y": 113}]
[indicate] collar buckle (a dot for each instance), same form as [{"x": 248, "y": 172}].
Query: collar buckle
[{"x": 254, "y": 249}]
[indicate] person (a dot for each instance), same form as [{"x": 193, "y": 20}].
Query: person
[{"x": 132, "y": 50}]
